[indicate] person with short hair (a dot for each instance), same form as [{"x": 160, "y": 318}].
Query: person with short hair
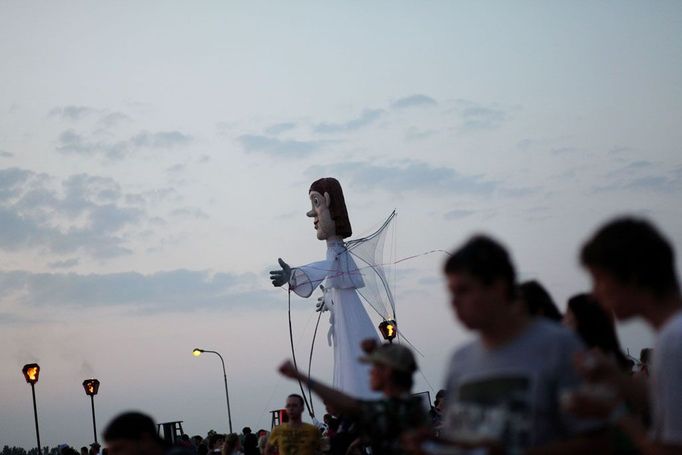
[
  {"x": 134, "y": 433},
  {"x": 503, "y": 388},
  {"x": 232, "y": 445},
  {"x": 537, "y": 301},
  {"x": 249, "y": 442},
  {"x": 594, "y": 325},
  {"x": 632, "y": 266},
  {"x": 381, "y": 422},
  {"x": 94, "y": 448},
  {"x": 294, "y": 437}
]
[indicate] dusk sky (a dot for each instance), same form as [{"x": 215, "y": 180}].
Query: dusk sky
[{"x": 155, "y": 159}]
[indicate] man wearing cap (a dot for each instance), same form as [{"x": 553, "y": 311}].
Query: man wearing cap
[{"x": 381, "y": 422}]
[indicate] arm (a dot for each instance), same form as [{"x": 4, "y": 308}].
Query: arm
[
  {"x": 345, "y": 404},
  {"x": 302, "y": 280},
  {"x": 595, "y": 367},
  {"x": 638, "y": 434},
  {"x": 272, "y": 442}
]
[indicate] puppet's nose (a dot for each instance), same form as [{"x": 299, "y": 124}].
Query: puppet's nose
[{"x": 311, "y": 214}]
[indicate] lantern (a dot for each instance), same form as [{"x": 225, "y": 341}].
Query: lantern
[
  {"x": 91, "y": 386},
  {"x": 31, "y": 372},
  {"x": 388, "y": 330}
]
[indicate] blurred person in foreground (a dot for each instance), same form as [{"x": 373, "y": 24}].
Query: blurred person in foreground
[
  {"x": 380, "y": 422},
  {"x": 632, "y": 267},
  {"x": 294, "y": 437},
  {"x": 134, "y": 433},
  {"x": 232, "y": 445},
  {"x": 503, "y": 388},
  {"x": 537, "y": 301},
  {"x": 594, "y": 325}
]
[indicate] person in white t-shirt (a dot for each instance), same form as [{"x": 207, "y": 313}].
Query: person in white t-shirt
[{"x": 633, "y": 272}]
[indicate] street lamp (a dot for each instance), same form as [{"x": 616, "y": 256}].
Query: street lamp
[
  {"x": 91, "y": 387},
  {"x": 388, "y": 330},
  {"x": 196, "y": 353},
  {"x": 31, "y": 372}
]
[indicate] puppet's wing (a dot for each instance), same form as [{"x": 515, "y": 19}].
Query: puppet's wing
[{"x": 368, "y": 253}]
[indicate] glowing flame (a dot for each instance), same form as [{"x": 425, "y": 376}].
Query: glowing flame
[
  {"x": 390, "y": 330},
  {"x": 32, "y": 373},
  {"x": 91, "y": 388}
]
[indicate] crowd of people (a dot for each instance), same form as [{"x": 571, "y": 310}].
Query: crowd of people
[{"x": 532, "y": 380}]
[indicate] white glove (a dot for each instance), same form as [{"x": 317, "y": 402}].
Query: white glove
[{"x": 323, "y": 302}]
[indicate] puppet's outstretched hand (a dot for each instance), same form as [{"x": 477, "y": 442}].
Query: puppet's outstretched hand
[
  {"x": 322, "y": 304},
  {"x": 280, "y": 277}
]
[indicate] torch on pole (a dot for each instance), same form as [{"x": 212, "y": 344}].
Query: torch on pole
[
  {"x": 31, "y": 371},
  {"x": 35, "y": 415},
  {"x": 91, "y": 387}
]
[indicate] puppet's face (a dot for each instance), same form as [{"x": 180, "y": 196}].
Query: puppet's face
[{"x": 323, "y": 222}]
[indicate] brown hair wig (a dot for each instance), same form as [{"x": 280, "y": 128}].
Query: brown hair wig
[{"x": 337, "y": 205}]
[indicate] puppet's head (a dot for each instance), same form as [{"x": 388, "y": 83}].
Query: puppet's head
[{"x": 329, "y": 209}]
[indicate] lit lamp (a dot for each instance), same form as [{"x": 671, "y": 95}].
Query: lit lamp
[
  {"x": 31, "y": 372},
  {"x": 91, "y": 387},
  {"x": 196, "y": 353},
  {"x": 388, "y": 330}
]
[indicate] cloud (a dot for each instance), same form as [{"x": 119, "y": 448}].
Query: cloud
[
  {"x": 255, "y": 143},
  {"x": 642, "y": 175},
  {"x": 406, "y": 176},
  {"x": 278, "y": 128},
  {"x": 66, "y": 264},
  {"x": 106, "y": 118},
  {"x": 178, "y": 290},
  {"x": 190, "y": 212},
  {"x": 476, "y": 116},
  {"x": 73, "y": 112},
  {"x": 415, "y": 134},
  {"x": 85, "y": 213},
  {"x": 458, "y": 214},
  {"x": 70, "y": 142},
  {"x": 162, "y": 139},
  {"x": 112, "y": 119},
  {"x": 413, "y": 101},
  {"x": 367, "y": 117}
]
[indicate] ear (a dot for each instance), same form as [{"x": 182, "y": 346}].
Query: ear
[{"x": 327, "y": 198}]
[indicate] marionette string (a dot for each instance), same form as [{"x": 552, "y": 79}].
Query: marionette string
[
  {"x": 357, "y": 270},
  {"x": 293, "y": 355}
]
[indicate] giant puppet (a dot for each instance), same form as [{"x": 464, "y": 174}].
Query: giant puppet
[{"x": 339, "y": 277}]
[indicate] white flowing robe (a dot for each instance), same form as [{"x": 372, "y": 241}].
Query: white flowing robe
[{"x": 350, "y": 323}]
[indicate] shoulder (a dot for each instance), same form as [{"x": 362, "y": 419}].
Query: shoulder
[
  {"x": 555, "y": 335},
  {"x": 669, "y": 340},
  {"x": 672, "y": 331},
  {"x": 464, "y": 352},
  {"x": 310, "y": 427}
]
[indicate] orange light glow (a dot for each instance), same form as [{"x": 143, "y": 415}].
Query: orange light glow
[{"x": 32, "y": 373}]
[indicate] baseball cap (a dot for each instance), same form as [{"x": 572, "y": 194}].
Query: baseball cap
[{"x": 394, "y": 356}]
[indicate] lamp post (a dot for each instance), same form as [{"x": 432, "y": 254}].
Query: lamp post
[
  {"x": 196, "y": 353},
  {"x": 31, "y": 372},
  {"x": 91, "y": 387},
  {"x": 388, "y": 330}
]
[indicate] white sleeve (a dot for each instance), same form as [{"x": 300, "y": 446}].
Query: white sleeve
[
  {"x": 306, "y": 278},
  {"x": 669, "y": 391}
]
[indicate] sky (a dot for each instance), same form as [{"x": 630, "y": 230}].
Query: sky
[{"x": 155, "y": 160}]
